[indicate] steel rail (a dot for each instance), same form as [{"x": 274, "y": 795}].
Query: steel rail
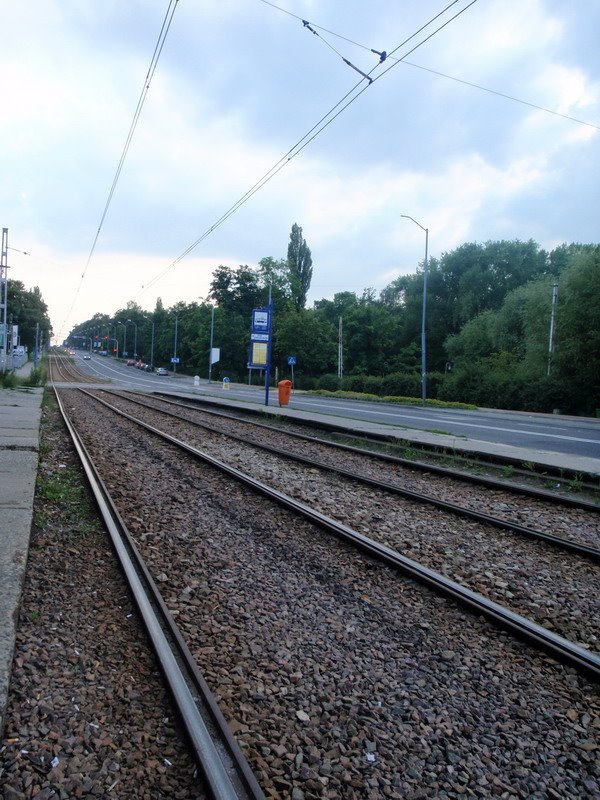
[
  {"x": 226, "y": 771},
  {"x": 586, "y": 551},
  {"x": 68, "y": 372},
  {"x": 561, "y": 649},
  {"x": 483, "y": 480}
]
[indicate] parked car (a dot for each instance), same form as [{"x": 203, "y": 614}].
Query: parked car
[
  {"x": 149, "y": 368},
  {"x": 130, "y": 362},
  {"x": 162, "y": 371}
]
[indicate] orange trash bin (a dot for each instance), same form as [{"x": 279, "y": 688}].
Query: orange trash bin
[{"x": 285, "y": 389}]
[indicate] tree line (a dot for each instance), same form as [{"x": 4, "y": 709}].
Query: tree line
[
  {"x": 489, "y": 310},
  {"x": 27, "y": 309}
]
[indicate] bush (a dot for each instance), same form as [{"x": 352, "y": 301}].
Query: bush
[
  {"x": 9, "y": 380},
  {"x": 37, "y": 377},
  {"x": 402, "y": 384},
  {"x": 329, "y": 382},
  {"x": 305, "y": 382},
  {"x": 364, "y": 384}
]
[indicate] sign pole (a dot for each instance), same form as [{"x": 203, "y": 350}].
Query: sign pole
[
  {"x": 270, "y": 330},
  {"x": 212, "y": 330}
]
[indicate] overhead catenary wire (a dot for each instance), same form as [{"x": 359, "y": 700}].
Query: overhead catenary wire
[
  {"x": 354, "y": 93},
  {"x": 158, "y": 48},
  {"x": 383, "y": 55}
]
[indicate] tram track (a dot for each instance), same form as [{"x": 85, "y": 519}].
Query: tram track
[
  {"x": 330, "y": 465},
  {"x": 221, "y": 762},
  {"x": 252, "y": 648},
  {"x": 62, "y": 370},
  {"x": 384, "y": 550}
]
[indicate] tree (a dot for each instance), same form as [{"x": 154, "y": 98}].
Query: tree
[
  {"x": 299, "y": 262},
  {"x": 27, "y": 309}
]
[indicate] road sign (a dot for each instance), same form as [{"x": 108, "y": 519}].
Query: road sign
[
  {"x": 175, "y": 360},
  {"x": 291, "y": 360}
]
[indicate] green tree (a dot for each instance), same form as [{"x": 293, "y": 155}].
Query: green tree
[
  {"x": 577, "y": 355},
  {"x": 27, "y": 309},
  {"x": 299, "y": 261}
]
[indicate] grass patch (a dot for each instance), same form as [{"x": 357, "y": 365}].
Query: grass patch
[
  {"x": 406, "y": 401},
  {"x": 64, "y": 491},
  {"x": 37, "y": 377},
  {"x": 8, "y": 380}
]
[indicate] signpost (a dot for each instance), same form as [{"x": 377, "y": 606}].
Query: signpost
[
  {"x": 291, "y": 363},
  {"x": 260, "y": 342}
]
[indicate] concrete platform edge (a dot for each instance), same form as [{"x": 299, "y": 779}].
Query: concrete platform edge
[{"x": 19, "y": 452}]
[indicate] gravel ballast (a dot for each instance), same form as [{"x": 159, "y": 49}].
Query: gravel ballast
[{"x": 339, "y": 677}]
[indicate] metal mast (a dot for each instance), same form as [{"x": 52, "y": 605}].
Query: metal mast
[{"x": 4, "y": 301}]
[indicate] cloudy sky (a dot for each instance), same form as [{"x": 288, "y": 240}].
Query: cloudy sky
[{"x": 238, "y": 84}]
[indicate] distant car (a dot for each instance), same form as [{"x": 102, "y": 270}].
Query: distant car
[
  {"x": 131, "y": 363},
  {"x": 162, "y": 371},
  {"x": 149, "y": 368},
  {"x": 87, "y": 357}
]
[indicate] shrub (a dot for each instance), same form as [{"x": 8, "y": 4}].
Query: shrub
[
  {"x": 329, "y": 382},
  {"x": 402, "y": 384},
  {"x": 364, "y": 384}
]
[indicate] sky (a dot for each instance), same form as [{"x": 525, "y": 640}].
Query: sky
[{"x": 238, "y": 84}]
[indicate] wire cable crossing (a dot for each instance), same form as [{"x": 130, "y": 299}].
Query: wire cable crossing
[{"x": 354, "y": 93}]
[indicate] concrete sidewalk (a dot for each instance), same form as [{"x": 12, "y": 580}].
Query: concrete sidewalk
[{"x": 20, "y": 414}]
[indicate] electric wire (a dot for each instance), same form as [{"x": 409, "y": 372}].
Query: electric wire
[
  {"x": 308, "y": 137},
  {"x": 158, "y": 48},
  {"x": 503, "y": 95},
  {"x": 437, "y": 72}
]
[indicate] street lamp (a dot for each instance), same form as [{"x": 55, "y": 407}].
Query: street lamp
[
  {"x": 423, "y": 314},
  {"x": 134, "y": 337},
  {"x": 124, "y": 352},
  {"x": 151, "y": 344},
  {"x": 175, "y": 359},
  {"x": 116, "y": 339}
]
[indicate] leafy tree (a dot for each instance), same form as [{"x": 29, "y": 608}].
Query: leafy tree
[
  {"x": 577, "y": 355},
  {"x": 307, "y": 336},
  {"x": 27, "y": 309},
  {"x": 274, "y": 275},
  {"x": 299, "y": 261}
]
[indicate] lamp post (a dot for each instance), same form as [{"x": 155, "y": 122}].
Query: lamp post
[
  {"x": 134, "y": 337},
  {"x": 423, "y": 314},
  {"x": 175, "y": 347},
  {"x": 210, "y": 349},
  {"x": 151, "y": 344},
  {"x": 124, "y": 350},
  {"x": 552, "y": 325}
]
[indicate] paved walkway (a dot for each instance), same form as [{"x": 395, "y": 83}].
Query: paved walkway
[{"x": 20, "y": 413}]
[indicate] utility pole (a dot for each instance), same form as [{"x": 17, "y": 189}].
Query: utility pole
[
  {"x": 552, "y": 325},
  {"x": 3, "y": 300},
  {"x": 35, "y": 349},
  {"x": 340, "y": 351},
  {"x": 210, "y": 349},
  {"x": 175, "y": 348}
]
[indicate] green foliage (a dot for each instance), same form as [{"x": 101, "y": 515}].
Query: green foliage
[
  {"x": 411, "y": 401},
  {"x": 401, "y": 384},
  {"x": 299, "y": 262},
  {"x": 28, "y": 310},
  {"x": 8, "y": 380},
  {"x": 488, "y": 313},
  {"x": 328, "y": 383},
  {"x": 38, "y": 376}
]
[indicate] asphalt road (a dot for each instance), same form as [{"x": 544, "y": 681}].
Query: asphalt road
[{"x": 548, "y": 432}]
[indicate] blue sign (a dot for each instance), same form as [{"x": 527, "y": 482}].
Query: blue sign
[
  {"x": 291, "y": 360},
  {"x": 175, "y": 360},
  {"x": 260, "y": 320}
]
